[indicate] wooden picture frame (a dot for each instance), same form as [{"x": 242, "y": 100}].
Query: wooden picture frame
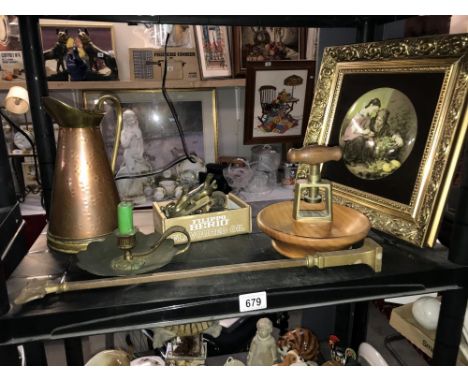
[
  {"x": 286, "y": 44},
  {"x": 277, "y": 101},
  {"x": 214, "y": 53},
  {"x": 399, "y": 171}
]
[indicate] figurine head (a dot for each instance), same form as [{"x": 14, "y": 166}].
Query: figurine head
[
  {"x": 62, "y": 35},
  {"x": 264, "y": 327},
  {"x": 129, "y": 118},
  {"x": 83, "y": 35}
]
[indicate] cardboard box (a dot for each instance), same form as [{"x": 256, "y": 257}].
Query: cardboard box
[
  {"x": 236, "y": 220},
  {"x": 402, "y": 321},
  {"x": 148, "y": 64}
]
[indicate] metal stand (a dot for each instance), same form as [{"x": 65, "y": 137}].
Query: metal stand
[
  {"x": 351, "y": 323},
  {"x": 4, "y": 301},
  {"x": 74, "y": 351},
  {"x": 35, "y": 354},
  {"x": 449, "y": 328},
  {"x": 37, "y": 88},
  {"x": 387, "y": 343},
  {"x": 9, "y": 356},
  {"x": 7, "y": 196}
]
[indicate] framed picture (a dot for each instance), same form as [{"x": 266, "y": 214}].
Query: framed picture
[
  {"x": 254, "y": 43},
  {"x": 397, "y": 109},
  {"x": 11, "y": 55},
  {"x": 154, "y": 36},
  {"x": 277, "y": 101},
  {"x": 150, "y": 139},
  {"x": 29, "y": 175},
  {"x": 79, "y": 51},
  {"x": 213, "y": 51}
]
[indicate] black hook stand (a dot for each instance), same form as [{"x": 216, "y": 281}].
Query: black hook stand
[{"x": 37, "y": 88}]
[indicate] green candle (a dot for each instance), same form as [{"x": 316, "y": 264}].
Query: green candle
[{"x": 125, "y": 218}]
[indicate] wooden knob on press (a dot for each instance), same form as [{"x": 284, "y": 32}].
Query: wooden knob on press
[{"x": 314, "y": 154}]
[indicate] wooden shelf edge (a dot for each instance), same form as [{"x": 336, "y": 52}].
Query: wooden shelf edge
[
  {"x": 144, "y": 84},
  {"x": 5, "y": 85}
]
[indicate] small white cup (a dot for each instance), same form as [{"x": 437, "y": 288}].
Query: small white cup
[
  {"x": 169, "y": 186},
  {"x": 148, "y": 191},
  {"x": 159, "y": 194},
  {"x": 178, "y": 192}
]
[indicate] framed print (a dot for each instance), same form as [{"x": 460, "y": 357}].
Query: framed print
[
  {"x": 277, "y": 101},
  {"x": 79, "y": 51},
  {"x": 11, "y": 54},
  {"x": 150, "y": 138},
  {"x": 213, "y": 51},
  {"x": 254, "y": 44},
  {"x": 397, "y": 109},
  {"x": 154, "y": 36}
]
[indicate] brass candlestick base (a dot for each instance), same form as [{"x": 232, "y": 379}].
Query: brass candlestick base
[
  {"x": 126, "y": 242},
  {"x": 128, "y": 262},
  {"x": 132, "y": 254}
]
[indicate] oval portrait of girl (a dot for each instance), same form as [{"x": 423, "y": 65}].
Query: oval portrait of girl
[{"x": 378, "y": 133}]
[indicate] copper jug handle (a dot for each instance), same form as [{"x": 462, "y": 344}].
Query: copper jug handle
[{"x": 118, "y": 108}]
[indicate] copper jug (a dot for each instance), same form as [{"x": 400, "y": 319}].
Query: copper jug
[{"x": 84, "y": 194}]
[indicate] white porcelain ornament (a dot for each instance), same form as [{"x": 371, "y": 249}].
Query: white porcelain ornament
[{"x": 426, "y": 312}]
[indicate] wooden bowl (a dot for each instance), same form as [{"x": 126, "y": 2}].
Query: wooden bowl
[{"x": 298, "y": 238}]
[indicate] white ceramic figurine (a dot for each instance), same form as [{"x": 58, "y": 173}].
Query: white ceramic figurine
[{"x": 263, "y": 347}]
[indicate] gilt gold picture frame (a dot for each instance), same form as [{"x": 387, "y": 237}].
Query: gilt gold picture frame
[{"x": 397, "y": 108}]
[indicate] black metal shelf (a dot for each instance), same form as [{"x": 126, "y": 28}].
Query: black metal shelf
[
  {"x": 311, "y": 21},
  {"x": 406, "y": 270}
]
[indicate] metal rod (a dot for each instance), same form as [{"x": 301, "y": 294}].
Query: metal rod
[
  {"x": 7, "y": 195},
  {"x": 4, "y": 301},
  {"x": 311, "y": 21},
  {"x": 370, "y": 253},
  {"x": 74, "y": 351},
  {"x": 35, "y": 354},
  {"x": 180, "y": 275},
  {"x": 37, "y": 88},
  {"x": 449, "y": 327}
]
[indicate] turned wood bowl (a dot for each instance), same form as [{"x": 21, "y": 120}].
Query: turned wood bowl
[{"x": 299, "y": 238}]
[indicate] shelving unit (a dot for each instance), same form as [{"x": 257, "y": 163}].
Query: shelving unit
[
  {"x": 406, "y": 270},
  {"x": 143, "y": 84}
]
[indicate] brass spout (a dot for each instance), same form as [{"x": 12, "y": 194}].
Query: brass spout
[{"x": 68, "y": 116}]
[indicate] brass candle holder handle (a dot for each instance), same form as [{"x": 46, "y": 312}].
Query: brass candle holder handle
[
  {"x": 132, "y": 254},
  {"x": 170, "y": 231},
  {"x": 314, "y": 156},
  {"x": 137, "y": 259}
]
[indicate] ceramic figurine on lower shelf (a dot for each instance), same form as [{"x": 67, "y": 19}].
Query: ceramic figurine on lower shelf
[
  {"x": 263, "y": 346},
  {"x": 291, "y": 359},
  {"x": 340, "y": 356},
  {"x": 302, "y": 341},
  {"x": 233, "y": 362}
]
